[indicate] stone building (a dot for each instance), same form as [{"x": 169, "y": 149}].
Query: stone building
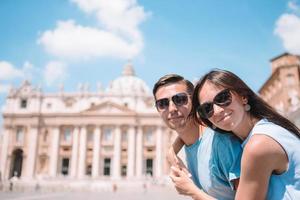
[
  {"x": 282, "y": 89},
  {"x": 113, "y": 133}
]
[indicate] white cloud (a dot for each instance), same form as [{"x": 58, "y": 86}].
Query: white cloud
[
  {"x": 118, "y": 15},
  {"x": 288, "y": 29},
  {"x": 119, "y": 35},
  {"x": 73, "y": 41},
  {"x": 55, "y": 72},
  {"x": 9, "y": 71}
]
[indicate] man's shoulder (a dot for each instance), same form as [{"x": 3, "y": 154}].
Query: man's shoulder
[
  {"x": 219, "y": 134},
  {"x": 226, "y": 140}
]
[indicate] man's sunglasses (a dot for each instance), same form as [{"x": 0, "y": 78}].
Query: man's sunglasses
[
  {"x": 223, "y": 99},
  {"x": 179, "y": 99}
]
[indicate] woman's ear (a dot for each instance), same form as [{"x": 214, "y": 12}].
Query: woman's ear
[{"x": 244, "y": 100}]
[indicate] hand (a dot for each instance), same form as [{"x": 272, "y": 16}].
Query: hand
[
  {"x": 175, "y": 161},
  {"x": 181, "y": 166},
  {"x": 183, "y": 184}
]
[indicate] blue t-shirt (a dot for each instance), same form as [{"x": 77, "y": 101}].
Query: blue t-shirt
[
  {"x": 287, "y": 184},
  {"x": 214, "y": 161}
]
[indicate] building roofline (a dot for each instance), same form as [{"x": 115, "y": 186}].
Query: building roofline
[
  {"x": 272, "y": 76},
  {"x": 281, "y": 55}
]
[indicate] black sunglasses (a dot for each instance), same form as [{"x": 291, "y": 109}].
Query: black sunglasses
[
  {"x": 223, "y": 99},
  {"x": 179, "y": 99}
]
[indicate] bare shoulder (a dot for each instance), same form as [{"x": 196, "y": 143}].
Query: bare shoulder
[
  {"x": 263, "y": 145},
  {"x": 256, "y": 168},
  {"x": 262, "y": 149}
]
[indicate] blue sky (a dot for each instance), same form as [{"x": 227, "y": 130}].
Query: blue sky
[{"x": 89, "y": 41}]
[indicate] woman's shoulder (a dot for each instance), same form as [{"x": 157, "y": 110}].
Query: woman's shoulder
[
  {"x": 262, "y": 147},
  {"x": 268, "y": 130},
  {"x": 261, "y": 144},
  {"x": 273, "y": 133}
]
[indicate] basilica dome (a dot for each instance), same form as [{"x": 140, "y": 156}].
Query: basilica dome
[{"x": 129, "y": 84}]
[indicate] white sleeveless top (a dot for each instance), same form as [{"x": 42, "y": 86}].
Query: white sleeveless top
[{"x": 287, "y": 184}]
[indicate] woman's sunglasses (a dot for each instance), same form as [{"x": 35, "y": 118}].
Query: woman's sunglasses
[
  {"x": 223, "y": 99},
  {"x": 179, "y": 99}
]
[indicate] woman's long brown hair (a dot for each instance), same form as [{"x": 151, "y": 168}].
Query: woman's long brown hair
[{"x": 259, "y": 108}]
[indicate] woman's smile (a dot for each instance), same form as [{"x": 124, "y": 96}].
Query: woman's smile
[{"x": 225, "y": 117}]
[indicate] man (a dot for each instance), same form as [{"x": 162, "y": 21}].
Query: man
[{"x": 213, "y": 158}]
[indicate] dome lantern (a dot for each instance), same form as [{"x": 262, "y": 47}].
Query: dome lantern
[
  {"x": 128, "y": 83},
  {"x": 128, "y": 70}
]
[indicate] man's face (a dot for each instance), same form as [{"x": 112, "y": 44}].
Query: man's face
[{"x": 175, "y": 116}]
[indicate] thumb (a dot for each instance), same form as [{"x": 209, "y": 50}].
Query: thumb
[
  {"x": 186, "y": 171},
  {"x": 176, "y": 171}
]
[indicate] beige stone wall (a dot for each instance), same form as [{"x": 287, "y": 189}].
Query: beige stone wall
[{"x": 282, "y": 89}]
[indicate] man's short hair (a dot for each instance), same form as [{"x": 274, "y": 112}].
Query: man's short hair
[{"x": 171, "y": 79}]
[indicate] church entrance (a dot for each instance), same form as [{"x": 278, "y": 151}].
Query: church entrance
[{"x": 16, "y": 163}]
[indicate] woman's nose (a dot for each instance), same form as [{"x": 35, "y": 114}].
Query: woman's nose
[{"x": 218, "y": 109}]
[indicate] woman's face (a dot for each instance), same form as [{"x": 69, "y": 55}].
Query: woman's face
[{"x": 224, "y": 108}]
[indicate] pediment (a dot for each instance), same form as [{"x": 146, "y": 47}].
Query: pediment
[
  {"x": 108, "y": 108},
  {"x": 25, "y": 90}
]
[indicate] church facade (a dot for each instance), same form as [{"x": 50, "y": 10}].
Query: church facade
[{"x": 113, "y": 133}]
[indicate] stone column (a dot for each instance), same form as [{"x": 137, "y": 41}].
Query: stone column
[
  {"x": 82, "y": 153},
  {"x": 32, "y": 152},
  {"x": 131, "y": 152},
  {"x": 54, "y": 151},
  {"x": 117, "y": 154},
  {"x": 96, "y": 152},
  {"x": 158, "y": 152},
  {"x": 4, "y": 151},
  {"x": 139, "y": 152},
  {"x": 74, "y": 158}
]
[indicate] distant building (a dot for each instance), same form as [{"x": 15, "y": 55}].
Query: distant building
[
  {"x": 114, "y": 133},
  {"x": 282, "y": 89}
]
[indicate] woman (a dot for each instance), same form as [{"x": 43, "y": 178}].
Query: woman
[{"x": 270, "y": 166}]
